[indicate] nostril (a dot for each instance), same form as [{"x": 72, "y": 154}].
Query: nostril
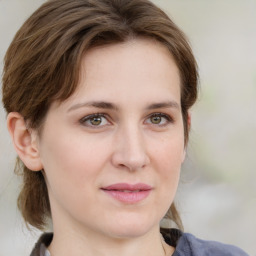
[{"x": 130, "y": 163}]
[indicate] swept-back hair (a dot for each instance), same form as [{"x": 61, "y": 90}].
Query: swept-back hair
[{"x": 42, "y": 65}]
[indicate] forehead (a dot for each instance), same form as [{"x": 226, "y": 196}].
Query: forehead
[
  {"x": 138, "y": 52},
  {"x": 123, "y": 72},
  {"x": 129, "y": 63}
]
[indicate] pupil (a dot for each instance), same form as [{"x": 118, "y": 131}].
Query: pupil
[
  {"x": 156, "y": 119},
  {"x": 95, "y": 120}
]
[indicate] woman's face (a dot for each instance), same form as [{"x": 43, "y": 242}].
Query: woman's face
[{"x": 112, "y": 152}]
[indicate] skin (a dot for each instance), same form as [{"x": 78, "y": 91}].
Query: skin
[{"x": 139, "y": 139}]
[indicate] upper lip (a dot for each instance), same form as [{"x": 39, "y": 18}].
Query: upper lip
[{"x": 129, "y": 187}]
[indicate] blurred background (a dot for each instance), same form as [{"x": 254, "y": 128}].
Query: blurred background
[{"x": 217, "y": 193}]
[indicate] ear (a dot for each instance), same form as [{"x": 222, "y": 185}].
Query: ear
[
  {"x": 189, "y": 125},
  {"x": 189, "y": 120},
  {"x": 24, "y": 141}
]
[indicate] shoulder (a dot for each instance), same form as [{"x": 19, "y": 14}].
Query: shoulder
[
  {"x": 42, "y": 243},
  {"x": 188, "y": 245}
]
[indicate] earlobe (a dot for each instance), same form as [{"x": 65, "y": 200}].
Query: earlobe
[{"x": 24, "y": 141}]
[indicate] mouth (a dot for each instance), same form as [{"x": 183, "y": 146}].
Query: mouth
[{"x": 128, "y": 193}]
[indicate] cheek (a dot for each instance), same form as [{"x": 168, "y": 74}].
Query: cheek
[
  {"x": 73, "y": 158},
  {"x": 169, "y": 152},
  {"x": 168, "y": 159},
  {"x": 72, "y": 168},
  {"x": 169, "y": 155}
]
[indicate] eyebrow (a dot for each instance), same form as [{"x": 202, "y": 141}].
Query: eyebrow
[
  {"x": 168, "y": 104},
  {"x": 95, "y": 104},
  {"x": 111, "y": 106}
]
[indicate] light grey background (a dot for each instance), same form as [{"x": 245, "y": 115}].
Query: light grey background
[{"x": 217, "y": 195}]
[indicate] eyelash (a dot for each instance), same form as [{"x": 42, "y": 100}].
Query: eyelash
[
  {"x": 89, "y": 118},
  {"x": 168, "y": 118}
]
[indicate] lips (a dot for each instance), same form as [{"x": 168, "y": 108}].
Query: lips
[{"x": 128, "y": 193}]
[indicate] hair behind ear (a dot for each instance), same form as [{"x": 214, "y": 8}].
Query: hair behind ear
[{"x": 33, "y": 200}]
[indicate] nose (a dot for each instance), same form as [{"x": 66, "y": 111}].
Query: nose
[{"x": 130, "y": 149}]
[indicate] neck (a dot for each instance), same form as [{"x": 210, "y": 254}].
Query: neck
[{"x": 72, "y": 243}]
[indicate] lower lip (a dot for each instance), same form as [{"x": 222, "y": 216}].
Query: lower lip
[{"x": 128, "y": 197}]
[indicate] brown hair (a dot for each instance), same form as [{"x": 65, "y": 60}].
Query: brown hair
[{"x": 43, "y": 61}]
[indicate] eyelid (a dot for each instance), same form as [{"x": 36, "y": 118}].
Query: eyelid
[
  {"x": 168, "y": 118},
  {"x": 84, "y": 119}
]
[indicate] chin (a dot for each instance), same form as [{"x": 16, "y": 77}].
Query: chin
[{"x": 132, "y": 228}]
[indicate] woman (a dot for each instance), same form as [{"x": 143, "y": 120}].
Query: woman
[{"x": 98, "y": 94}]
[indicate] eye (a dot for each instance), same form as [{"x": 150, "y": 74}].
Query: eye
[
  {"x": 156, "y": 119},
  {"x": 94, "y": 120},
  {"x": 160, "y": 119}
]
